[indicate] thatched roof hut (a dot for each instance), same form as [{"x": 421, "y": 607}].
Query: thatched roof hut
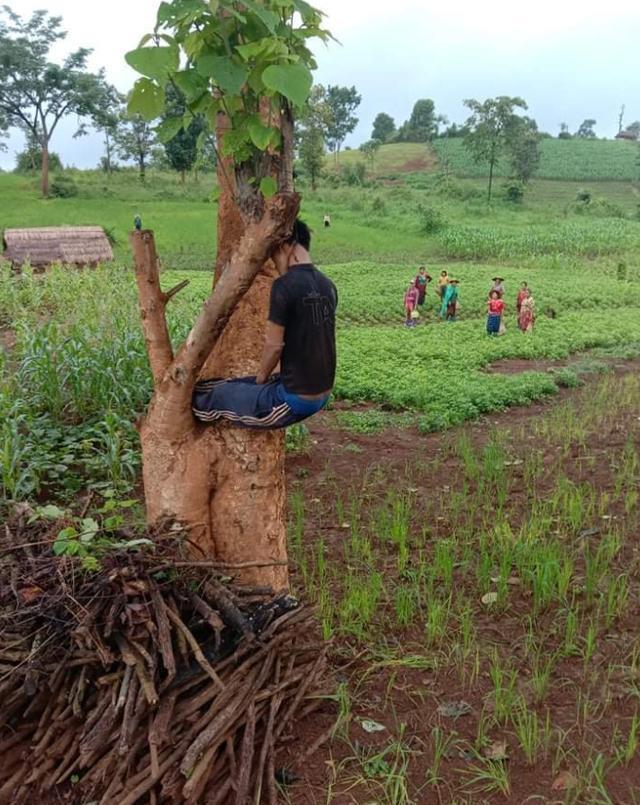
[{"x": 71, "y": 245}]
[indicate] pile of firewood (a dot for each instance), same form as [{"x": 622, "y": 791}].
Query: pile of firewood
[{"x": 150, "y": 680}]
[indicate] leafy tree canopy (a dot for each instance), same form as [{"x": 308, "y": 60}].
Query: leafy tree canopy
[
  {"x": 227, "y": 56},
  {"x": 384, "y": 128},
  {"x": 35, "y": 92},
  {"x": 586, "y": 130}
]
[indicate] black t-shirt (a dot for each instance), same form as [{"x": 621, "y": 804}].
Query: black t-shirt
[{"x": 304, "y": 302}]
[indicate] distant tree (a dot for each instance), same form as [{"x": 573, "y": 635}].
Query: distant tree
[
  {"x": 422, "y": 126},
  {"x": 340, "y": 121},
  {"x": 35, "y": 93},
  {"x": 621, "y": 118},
  {"x": 106, "y": 120},
  {"x": 455, "y": 130},
  {"x": 182, "y": 148},
  {"x": 632, "y": 131},
  {"x": 492, "y": 127},
  {"x": 564, "y": 134},
  {"x": 312, "y": 153},
  {"x": 524, "y": 148},
  {"x": 586, "y": 130},
  {"x": 30, "y": 159},
  {"x": 370, "y": 149},
  {"x": 135, "y": 140},
  {"x": 207, "y": 158},
  {"x": 384, "y": 128}
]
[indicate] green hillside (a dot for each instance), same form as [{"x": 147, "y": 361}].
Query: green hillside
[{"x": 573, "y": 160}]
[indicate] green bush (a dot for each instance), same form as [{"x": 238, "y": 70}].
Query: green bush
[
  {"x": 431, "y": 219},
  {"x": 514, "y": 193},
  {"x": 63, "y": 187}
]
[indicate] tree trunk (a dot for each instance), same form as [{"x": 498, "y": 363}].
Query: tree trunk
[
  {"x": 491, "y": 164},
  {"x": 183, "y": 174},
  {"x": 45, "y": 170},
  {"x": 223, "y": 484},
  {"x": 142, "y": 167}
]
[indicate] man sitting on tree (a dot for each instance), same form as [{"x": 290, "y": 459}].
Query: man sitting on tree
[{"x": 300, "y": 335}]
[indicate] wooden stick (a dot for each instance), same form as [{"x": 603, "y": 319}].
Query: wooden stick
[
  {"x": 167, "y": 295},
  {"x": 152, "y": 303},
  {"x": 195, "y": 647}
]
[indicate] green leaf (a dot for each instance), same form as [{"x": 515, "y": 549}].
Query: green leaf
[
  {"x": 146, "y": 99},
  {"x": 270, "y": 47},
  {"x": 260, "y": 134},
  {"x": 89, "y": 529},
  {"x": 50, "y": 512},
  {"x": 167, "y": 130},
  {"x": 269, "y": 19},
  {"x": 227, "y": 74},
  {"x": 268, "y": 186},
  {"x": 192, "y": 84},
  {"x": 155, "y": 62},
  {"x": 291, "y": 80}
]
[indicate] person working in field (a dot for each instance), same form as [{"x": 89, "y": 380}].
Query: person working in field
[
  {"x": 521, "y": 295},
  {"x": 495, "y": 309},
  {"x": 421, "y": 282},
  {"x": 300, "y": 335},
  {"x": 498, "y": 287},
  {"x": 443, "y": 281},
  {"x": 411, "y": 297},
  {"x": 450, "y": 301},
  {"x": 527, "y": 313}
]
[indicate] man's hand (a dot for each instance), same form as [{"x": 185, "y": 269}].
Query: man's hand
[{"x": 271, "y": 352}]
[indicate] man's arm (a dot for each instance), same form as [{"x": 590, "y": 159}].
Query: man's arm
[{"x": 271, "y": 352}]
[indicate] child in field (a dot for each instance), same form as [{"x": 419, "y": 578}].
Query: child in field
[
  {"x": 421, "y": 282},
  {"x": 495, "y": 308},
  {"x": 411, "y": 297},
  {"x": 443, "y": 281}
]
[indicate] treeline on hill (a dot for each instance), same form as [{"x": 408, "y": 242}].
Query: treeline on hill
[{"x": 36, "y": 93}]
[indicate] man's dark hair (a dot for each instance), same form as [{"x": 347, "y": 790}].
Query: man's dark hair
[{"x": 300, "y": 234}]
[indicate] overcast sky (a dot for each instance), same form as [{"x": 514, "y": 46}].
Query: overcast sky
[{"x": 569, "y": 59}]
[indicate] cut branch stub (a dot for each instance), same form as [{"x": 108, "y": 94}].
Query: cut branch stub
[
  {"x": 152, "y": 303},
  {"x": 245, "y": 262}
]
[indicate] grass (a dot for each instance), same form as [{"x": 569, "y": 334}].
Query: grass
[
  {"x": 542, "y": 665},
  {"x": 571, "y": 160},
  {"x": 481, "y": 591}
]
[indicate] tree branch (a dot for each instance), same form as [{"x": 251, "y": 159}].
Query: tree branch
[
  {"x": 173, "y": 391},
  {"x": 152, "y": 304}
]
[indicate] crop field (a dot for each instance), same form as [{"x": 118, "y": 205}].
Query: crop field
[
  {"x": 571, "y": 160},
  {"x": 464, "y": 516}
]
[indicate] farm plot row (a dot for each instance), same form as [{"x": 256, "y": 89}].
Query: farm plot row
[
  {"x": 574, "y": 160},
  {"x": 74, "y": 374},
  {"x": 438, "y": 370},
  {"x": 372, "y": 293}
]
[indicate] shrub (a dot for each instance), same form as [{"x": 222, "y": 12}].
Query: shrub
[
  {"x": 63, "y": 187},
  {"x": 378, "y": 206},
  {"x": 354, "y": 174},
  {"x": 514, "y": 193},
  {"x": 583, "y": 196},
  {"x": 431, "y": 219}
]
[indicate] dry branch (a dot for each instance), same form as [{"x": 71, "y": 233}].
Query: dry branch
[{"x": 142, "y": 688}]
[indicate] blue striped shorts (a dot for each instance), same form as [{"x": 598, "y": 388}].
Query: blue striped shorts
[{"x": 249, "y": 405}]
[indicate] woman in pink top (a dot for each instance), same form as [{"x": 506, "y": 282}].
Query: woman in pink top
[
  {"x": 411, "y": 296},
  {"x": 495, "y": 308}
]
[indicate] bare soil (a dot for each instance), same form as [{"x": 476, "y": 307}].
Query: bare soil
[{"x": 391, "y": 696}]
